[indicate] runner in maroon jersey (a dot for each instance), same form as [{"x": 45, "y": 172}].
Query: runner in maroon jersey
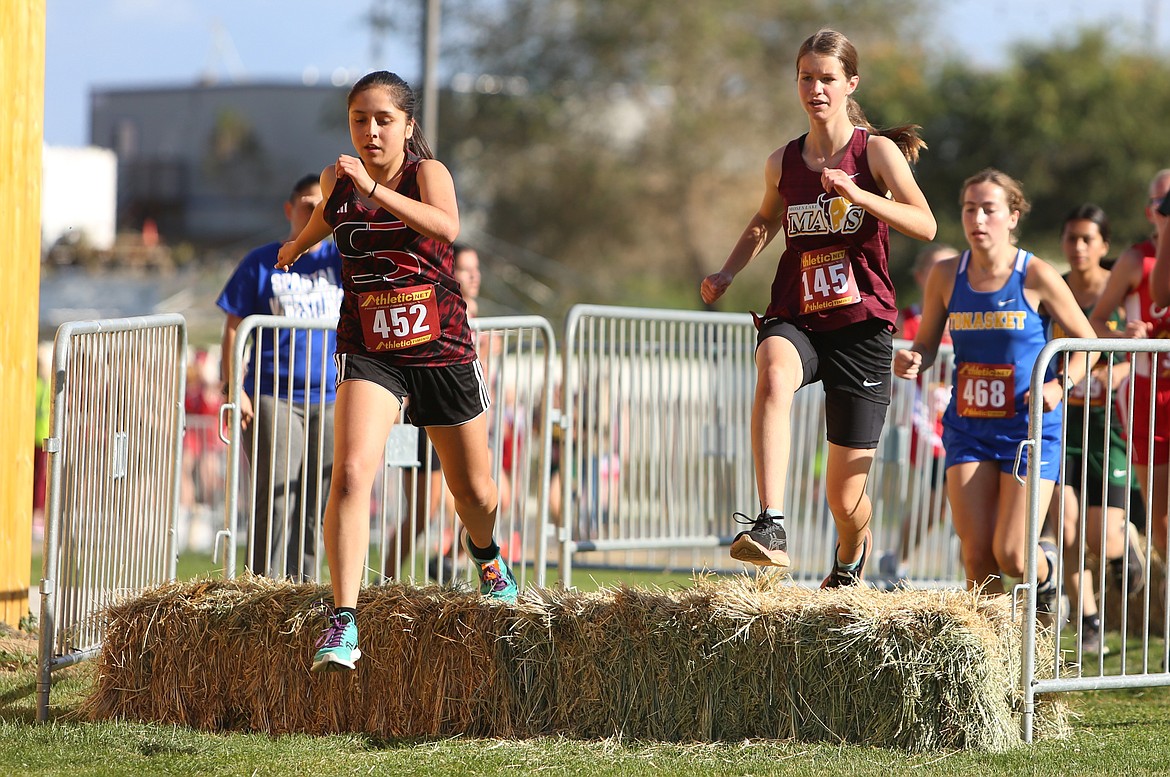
[
  {"x": 834, "y": 191},
  {"x": 1133, "y": 286},
  {"x": 402, "y": 332}
]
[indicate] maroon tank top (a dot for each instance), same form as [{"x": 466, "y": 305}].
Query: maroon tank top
[
  {"x": 401, "y": 302},
  {"x": 835, "y": 267}
]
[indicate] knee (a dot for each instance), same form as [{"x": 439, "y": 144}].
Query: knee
[
  {"x": 1011, "y": 561},
  {"x": 845, "y": 506},
  {"x": 351, "y": 477},
  {"x": 979, "y": 559},
  {"x": 479, "y": 494},
  {"x": 778, "y": 382}
]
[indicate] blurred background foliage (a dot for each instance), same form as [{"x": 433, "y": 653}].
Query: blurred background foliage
[{"x": 613, "y": 152}]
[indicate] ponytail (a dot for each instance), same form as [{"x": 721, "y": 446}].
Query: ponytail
[
  {"x": 418, "y": 145},
  {"x": 904, "y": 136}
]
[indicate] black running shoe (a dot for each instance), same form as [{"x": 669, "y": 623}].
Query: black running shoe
[
  {"x": 1046, "y": 591},
  {"x": 764, "y": 545},
  {"x": 1132, "y": 575},
  {"x": 1090, "y": 631},
  {"x": 838, "y": 577}
]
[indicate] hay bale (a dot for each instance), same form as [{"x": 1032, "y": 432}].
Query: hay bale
[{"x": 721, "y": 661}]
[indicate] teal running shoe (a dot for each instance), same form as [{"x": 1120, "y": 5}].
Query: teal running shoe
[
  {"x": 337, "y": 647},
  {"x": 495, "y": 579}
]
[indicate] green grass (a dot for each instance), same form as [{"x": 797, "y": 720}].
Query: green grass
[
  {"x": 1119, "y": 733},
  {"x": 1115, "y": 733}
]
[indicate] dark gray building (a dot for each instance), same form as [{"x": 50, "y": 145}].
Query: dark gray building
[{"x": 210, "y": 164}]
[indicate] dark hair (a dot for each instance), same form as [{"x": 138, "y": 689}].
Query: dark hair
[
  {"x": 830, "y": 43},
  {"x": 404, "y": 97},
  {"x": 303, "y": 184},
  {"x": 1089, "y": 212}
]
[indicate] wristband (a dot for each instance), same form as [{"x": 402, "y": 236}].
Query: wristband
[{"x": 373, "y": 189}]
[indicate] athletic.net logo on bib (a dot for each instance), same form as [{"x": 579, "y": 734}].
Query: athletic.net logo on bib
[
  {"x": 397, "y": 319},
  {"x": 826, "y": 278},
  {"x": 986, "y": 390}
]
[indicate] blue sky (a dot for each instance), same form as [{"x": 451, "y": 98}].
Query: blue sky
[{"x": 158, "y": 42}]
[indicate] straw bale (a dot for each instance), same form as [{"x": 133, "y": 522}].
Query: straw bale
[{"x": 724, "y": 660}]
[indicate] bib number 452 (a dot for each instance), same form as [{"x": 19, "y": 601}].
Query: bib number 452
[
  {"x": 397, "y": 319},
  {"x": 396, "y": 322}
]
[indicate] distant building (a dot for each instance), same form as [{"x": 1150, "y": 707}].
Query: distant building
[
  {"x": 78, "y": 193},
  {"x": 210, "y": 164}
]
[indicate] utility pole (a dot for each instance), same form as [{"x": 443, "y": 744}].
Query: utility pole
[
  {"x": 1153, "y": 10},
  {"x": 430, "y": 74},
  {"x": 381, "y": 24}
]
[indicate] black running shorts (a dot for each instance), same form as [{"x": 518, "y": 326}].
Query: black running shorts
[
  {"x": 853, "y": 364},
  {"x": 439, "y": 396}
]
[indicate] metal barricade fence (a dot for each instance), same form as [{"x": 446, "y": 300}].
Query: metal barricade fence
[
  {"x": 908, "y": 485},
  {"x": 1132, "y": 606},
  {"x": 114, "y": 465},
  {"x": 518, "y": 356},
  {"x": 290, "y": 448},
  {"x": 656, "y": 452},
  {"x": 414, "y": 529}
]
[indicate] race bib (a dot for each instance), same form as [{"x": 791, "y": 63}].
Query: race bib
[
  {"x": 826, "y": 278},
  {"x": 397, "y": 319},
  {"x": 986, "y": 390},
  {"x": 1095, "y": 397}
]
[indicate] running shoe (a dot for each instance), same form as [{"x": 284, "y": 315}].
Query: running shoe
[
  {"x": 1090, "y": 631},
  {"x": 765, "y": 544},
  {"x": 495, "y": 578},
  {"x": 1046, "y": 591},
  {"x": 838, "y": 577},
  {"x": 337, "y": 648},
  {"x": 1128, "y": 573}
]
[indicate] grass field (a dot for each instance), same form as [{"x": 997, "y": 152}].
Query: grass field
[{"x": 1115, "y": 733}]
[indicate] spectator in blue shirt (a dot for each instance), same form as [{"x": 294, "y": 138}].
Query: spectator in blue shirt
[{"x": 292, "y": 467}]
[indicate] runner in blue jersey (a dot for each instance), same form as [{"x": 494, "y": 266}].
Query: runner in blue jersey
[
  {"x": 996, "y": 300},
  {"x": 288, "y": 392}
]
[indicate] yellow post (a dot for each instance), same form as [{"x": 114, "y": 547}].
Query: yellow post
[{"x": 22, "y": 106}]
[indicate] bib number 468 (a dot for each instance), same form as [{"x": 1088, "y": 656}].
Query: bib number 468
[
  {"x": 986, "y": 390},
  {"x": 985, "y": 393}
]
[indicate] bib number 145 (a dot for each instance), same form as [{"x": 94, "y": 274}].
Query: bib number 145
[
  {"x": 826, "y": 278},
  {"x": 826, "y": 282}
]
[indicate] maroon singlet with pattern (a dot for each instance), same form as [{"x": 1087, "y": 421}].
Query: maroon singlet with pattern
[
  {"x": 809, "y": 290},
  {"x": 380, "y": 253}
]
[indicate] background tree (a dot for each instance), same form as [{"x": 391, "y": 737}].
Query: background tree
[
  {"x": 613, "y": 151},
  {"x": 626, "y": 141},
  {"x": 1076, "y": 121}
]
